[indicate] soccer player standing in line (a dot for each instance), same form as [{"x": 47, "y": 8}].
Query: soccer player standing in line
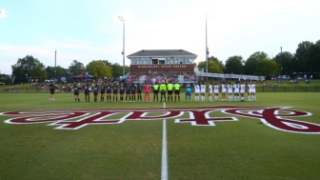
[
  {"x": 139, "y": 91},
  {"x": 109, "y": 87},
  {"x": 86, "y": 93},
  {"x": 176, "y": 91},
  {"x": 249, "y": 91},
  {"x": 133, "y": 92},
  {"x": 102, "y": 91},
  {"x": 242, "y": 91},
  {"x": 196, "y": 92},
  {"x": 121, "y": 92},
  {"x": 203, "y": 91},
  {"x": 147, "y": 91},
  {"x": 216, "y": 92},
  {"x": 229, "y": 87},
  {"x": 95, "y": 92},
  {"x": 236, "y": 91},
  {"x": 115, "y": 92},
  {"x": 76, "y": 93},
  {"x": 188, "y": 94},
  {"x": 155, "y": 91},
  {"x": 253, "y": 91},
  {"x": 223, "y": 91},
  {"x": 163, "y": 89},
  {"x": 52, "y": 88},
  {"x": 210, "y": 88},
  {"x": 128, "y": 91},
  {"x": 170, "y": 89}
]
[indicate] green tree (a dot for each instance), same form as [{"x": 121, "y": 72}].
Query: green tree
[
  {"x": 312, "y": 59},
  {"x": 28, "y": 67},
  {"x": 99, "y": 69},
  {"x": 286, "y": 60},
  {"x": 267, "y": 67},
  {"x": 234, "y": 65},
  {"x": 76, "y": 68},
  {"x": 300, "y": 61},
  {"x": 214, "y": 65},
  {"x": 251, "y": 62},
  {"x": 59, "y": 71}
]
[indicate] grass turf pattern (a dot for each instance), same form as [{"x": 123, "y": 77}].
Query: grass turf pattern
[{"x": 243, "y": 149}]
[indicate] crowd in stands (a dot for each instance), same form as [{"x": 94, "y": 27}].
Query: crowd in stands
[{"x": 159, "y": 77}]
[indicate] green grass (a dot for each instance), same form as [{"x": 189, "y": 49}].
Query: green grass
[{"x": 243, "y": 149}]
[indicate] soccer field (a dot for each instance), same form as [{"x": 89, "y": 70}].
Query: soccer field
[{"x": 276, "y": 137}]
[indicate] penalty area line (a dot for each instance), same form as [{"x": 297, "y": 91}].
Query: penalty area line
[{"x": 164, "y": 160}]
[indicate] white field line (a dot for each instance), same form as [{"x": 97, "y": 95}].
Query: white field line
[
  {"x": 164, "y": 161},
  {"x": 164, "y": 104}
]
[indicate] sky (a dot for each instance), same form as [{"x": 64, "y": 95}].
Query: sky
[{"x": 86, "y": 30}]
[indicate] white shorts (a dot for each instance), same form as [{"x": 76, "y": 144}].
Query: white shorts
[
  {"x": 216, "y": 92},
  {"x": 197, "y": 92},
  {"x": 236, "y": 92}
]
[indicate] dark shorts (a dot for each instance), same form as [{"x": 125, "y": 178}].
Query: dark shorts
[
  {"x": 177, "y": 92},
  {"x": 156, "y": 91},
  {"x": 95, "y": 93},
  {"x": 163, "y": 92},
  {"x": 121, "y": 92},
  {"x": 169, "y": 92},
  {"x": 102, "y": 92},
  {"x": 51, "y": 91},
  {"x": 76, "y": 93}
]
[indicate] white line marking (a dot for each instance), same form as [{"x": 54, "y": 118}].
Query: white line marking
[
  {"x": 164, "y": 104},
  {"x": 164, "y": 162}
]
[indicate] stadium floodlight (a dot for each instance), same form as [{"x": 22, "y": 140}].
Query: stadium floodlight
[
  {"x": 2, "y": 13},
  {"x": 121, "y": 18}
]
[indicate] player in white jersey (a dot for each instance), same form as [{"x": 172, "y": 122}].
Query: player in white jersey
[
  {"x": 203, "y": 91},
  {"x": 196, "y": 92},
  {"x": 216, "y": 92},
  {"x": 242, "y": 90},
  {"x": 236, "y": 91},
  {"x": 249, "y": 91},
  {"x": 223, "y": 91},
  {"x": 229, "y": 87},
  {"x": 210, "y": 89},
  {"x": 253, "y": 92}
]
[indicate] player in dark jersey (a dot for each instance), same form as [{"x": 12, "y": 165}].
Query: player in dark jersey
[
  {"x": 86, "y": 93},
  {"x": 139, "y": 91},
  {"x": 133, "y": 92},
  {"x": 95, "y": 92},
  {"x": 155, "y": 91},
  {"x": 115, "y": 92},
  {"x": 102, "y": 91},
  {"x": 128, "y": 91},
  {"x": 121, "y": 92},
  {"x": 109, "y": 88},
  {"x": 76, "y": 92}
]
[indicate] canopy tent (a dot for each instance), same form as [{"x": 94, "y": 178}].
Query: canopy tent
[{"x": 81, "y": 77}]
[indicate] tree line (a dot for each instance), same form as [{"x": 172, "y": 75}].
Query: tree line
[
  {"x": 306, "y": 60},
  {"x": 30, "y": 67}
]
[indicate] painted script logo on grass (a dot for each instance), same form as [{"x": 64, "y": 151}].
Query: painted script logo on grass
[{"x": 274, "y": 117}]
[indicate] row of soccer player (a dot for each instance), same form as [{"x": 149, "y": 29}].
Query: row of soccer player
[
  {"x": 128, "y": 92},
  {"x": 238, "y": 90}
]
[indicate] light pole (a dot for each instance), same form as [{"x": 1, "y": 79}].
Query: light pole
[
  {"x": 281, "y": 61},
  {"x": 206, "y": 47},
  {"x": 123, "y": 51}
]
